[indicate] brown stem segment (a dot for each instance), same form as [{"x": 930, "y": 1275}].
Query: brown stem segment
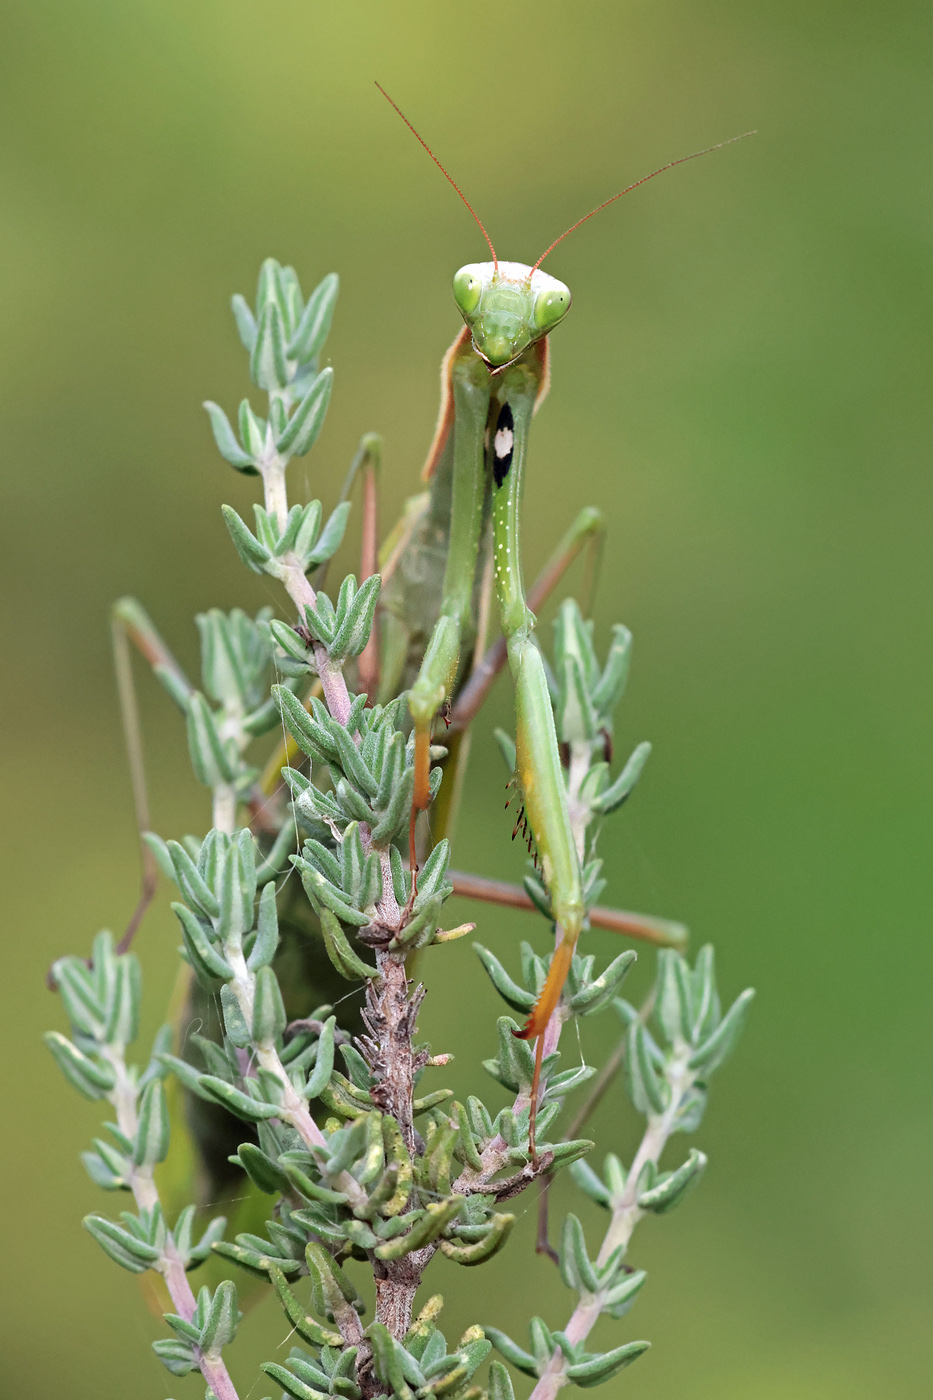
[
  {"x": 390, "y": 1017},
  {"x": 396, "y": 1285}
]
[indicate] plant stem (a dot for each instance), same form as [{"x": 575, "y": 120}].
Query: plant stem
[
  {"x": 300, "y": 591},
  {"x": 124, "y": 1097},
  {"x": 295, "y": 1109},
  {"x": 333, "y": 684},
  {"x": 625, "y": 1216},
  {"x": 223, "y": 814},
  {"x": 330, "y": 672},
  {"x": 390, "y": 1016}
]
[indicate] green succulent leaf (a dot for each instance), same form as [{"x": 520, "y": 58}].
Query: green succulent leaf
[
  {"x": 673, "y": 1006},
  {"x": 152, "y": 1133},
  {"x": 617, "y": 792},
  {"x": 711, "y": 1054},
  {"x": 314, "y": 326},
  {"x": 290, "y": 1382},
  {"x": 500, "y": 1226},
  {"x": 239, "y": 1103},
  {"x": 520, "y": 1359},
  {"x": 647, "y": 1090},
  {"x": 324, "y": 1063},
  {"x": 91, "y": 1077},
  {"x": 306, "y": 1326},
  {"x": 122, "y": 1246},
  {"x": 226, "y": 440},
  {"x": 256, "y": 1261},
  {"x": 671, "y": 1188},
  {"x": 576, "y": 1268},
  {"x": 202, "y": 953},
  {"x": 222, "y": 1320},
  {"x": 500, "y": 1382},
  {"x": 176, "y": 1355},
  {"x": 345, "y": 960},
  {"x": 268, "y": 366},
  {"x": 514, "y": 995},
  {"x": 269, "y": 1018},
  {"x": 595, "y": 1370},
  {"x": 267, "y": 931},
  {"x": 253, "y": 554},
  {"x": 261, "y": 1169},
  {"x": 306, "y": 422},
  {"x": 610, "y": 687}
]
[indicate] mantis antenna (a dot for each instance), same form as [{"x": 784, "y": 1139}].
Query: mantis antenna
[
  {"x": 495, "y": 260},
  {"x": 644, "y": 179}
]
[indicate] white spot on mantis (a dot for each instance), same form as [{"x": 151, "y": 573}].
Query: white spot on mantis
[{"x": 503, "y": 443}]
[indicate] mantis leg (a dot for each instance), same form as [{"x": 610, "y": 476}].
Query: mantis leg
[
  {"x": 131, "y": 623},
  {"x": 471, "y": 394},
  {"x": 537, "y": 755},
  {"x": 585, "y": 532},
  {"x": 663, "y": 933}
]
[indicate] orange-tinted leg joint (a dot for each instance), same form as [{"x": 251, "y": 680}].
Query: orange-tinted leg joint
[{"x": 543, "y": 1009}]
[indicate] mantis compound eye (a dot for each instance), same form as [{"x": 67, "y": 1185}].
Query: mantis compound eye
[
  {"x": 468, "y": 288},
  {"x": 551, "y": 306}
]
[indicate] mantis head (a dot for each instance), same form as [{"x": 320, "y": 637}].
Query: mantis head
[{"x": 507, "y": 307}]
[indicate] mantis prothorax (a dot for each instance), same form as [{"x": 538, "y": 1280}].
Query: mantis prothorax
[{"x": 494, "y": 376}]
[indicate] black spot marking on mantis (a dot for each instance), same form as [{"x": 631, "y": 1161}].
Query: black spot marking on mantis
[{"x": 503, "y": 444}]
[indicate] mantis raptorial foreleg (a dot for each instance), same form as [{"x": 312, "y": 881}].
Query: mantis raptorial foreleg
[
  {"x": 470, "y": 389},
  {"x": 586, "y": 532},
  {"x": 537, "y": 757}
]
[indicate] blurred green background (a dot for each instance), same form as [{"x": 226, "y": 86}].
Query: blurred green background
[{"x": 743, "y": 385}]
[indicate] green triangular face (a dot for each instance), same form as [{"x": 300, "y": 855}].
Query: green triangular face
[{"x": 508, "y": 307}]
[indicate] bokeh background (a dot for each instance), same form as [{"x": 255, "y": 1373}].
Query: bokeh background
[{"x": 743, "y": 386}]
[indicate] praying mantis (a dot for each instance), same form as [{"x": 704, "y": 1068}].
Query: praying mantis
[{"x": 493, "y": 378}]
